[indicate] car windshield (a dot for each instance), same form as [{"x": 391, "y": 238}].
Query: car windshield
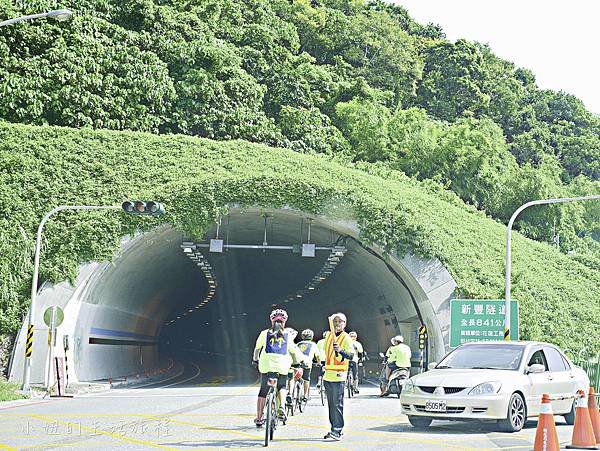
[{"x": 496, "y": 357}]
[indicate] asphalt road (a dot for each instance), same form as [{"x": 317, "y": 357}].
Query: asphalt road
[{"x": 200, "y": 410}]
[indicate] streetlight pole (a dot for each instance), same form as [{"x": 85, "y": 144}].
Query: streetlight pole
[
  {"x": 58, "y": 14},
  {"x": 508, "y": 250},
  {"x": 151, "y": 208},
  {"x": 34, "y": 282}
]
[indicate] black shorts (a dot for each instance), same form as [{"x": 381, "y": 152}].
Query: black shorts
[
  {"x": 392, "y": 366},
  {"x": 306, "y": 374},
  {"x": 264, "y": 387}
]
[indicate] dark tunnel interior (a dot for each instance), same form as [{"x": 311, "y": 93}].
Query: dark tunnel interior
[{"x": 193, "y": 304}]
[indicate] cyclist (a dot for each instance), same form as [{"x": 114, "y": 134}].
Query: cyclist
[
  {"x": 338, "y": 353},
  {"x": 398, "y": 356},
  {"x": 310, "y": 350},
  {"x": 321, "y": 348},
  {"x": 358, "y": 355},
  {"x": 273, "y": 354}
]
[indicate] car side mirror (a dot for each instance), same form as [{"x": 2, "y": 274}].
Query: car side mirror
[
  {"x": 536, "y": 368},
  {"x": 431, "y": 365}
]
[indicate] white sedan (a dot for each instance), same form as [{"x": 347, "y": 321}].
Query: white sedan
[{"x": 502, "y": 381}]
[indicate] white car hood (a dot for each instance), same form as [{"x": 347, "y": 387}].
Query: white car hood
[{"x": 460, "y": 377}]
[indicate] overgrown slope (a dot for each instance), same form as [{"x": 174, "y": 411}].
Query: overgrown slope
[{"x": 42, "y": 167}]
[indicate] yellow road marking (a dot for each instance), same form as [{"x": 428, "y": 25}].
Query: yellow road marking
[
  {"x": 405, "y": 436},
  {"x": 109, "y": 434},
  {"x": 56, "y": 445},
  {"x": 7, "y": 447},
  {"x": 254, "y": 437}
]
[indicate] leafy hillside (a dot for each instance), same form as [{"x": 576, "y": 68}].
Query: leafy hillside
[
  {"x": 357, "y": 79},
  {"x": 41, "y": 167}
]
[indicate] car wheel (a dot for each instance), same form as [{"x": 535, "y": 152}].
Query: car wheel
[
  {"x": 420, "y": 422},
  {"x": 516, "y": 415},
  {"x": 570, "y": 417}
]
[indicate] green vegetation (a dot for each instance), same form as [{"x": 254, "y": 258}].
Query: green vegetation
[
  {"x": 353, "y": 78},
  {"x": 8, "y": 392},
  {"x": 41, "y": 167}
]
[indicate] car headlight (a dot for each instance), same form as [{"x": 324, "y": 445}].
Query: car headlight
[
  {"x": 409, "y": 387},
  {"x": 487, "y": 388}
]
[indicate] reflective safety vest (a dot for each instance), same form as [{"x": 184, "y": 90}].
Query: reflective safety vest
[{"x": 333, "y": 362}]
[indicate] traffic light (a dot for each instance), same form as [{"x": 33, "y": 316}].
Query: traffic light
[
  {"x": 140, "y": 207},
  {"x": 422, "y": 337}
]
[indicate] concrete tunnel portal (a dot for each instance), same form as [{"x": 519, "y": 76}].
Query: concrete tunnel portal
[{"x": 161, "y": 298}]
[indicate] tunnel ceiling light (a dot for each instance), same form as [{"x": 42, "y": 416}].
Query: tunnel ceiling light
[{"x": 330, "y": 264}]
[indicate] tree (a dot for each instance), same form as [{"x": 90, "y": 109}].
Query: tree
[{"x": 365, "y": 125}]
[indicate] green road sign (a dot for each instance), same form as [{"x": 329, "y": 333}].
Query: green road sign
[
  {"x": 481, "y": 320},
  {"x": 60, "y": 316}
]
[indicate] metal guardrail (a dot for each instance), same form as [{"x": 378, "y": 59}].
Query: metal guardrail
[{"x": 592, "y": 368}]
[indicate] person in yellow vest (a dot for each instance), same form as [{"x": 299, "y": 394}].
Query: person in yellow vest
[
  {"x": 398, "y": 356},
  {"x": 273, "y": 356},
  {"x": 338, "y": 354}
]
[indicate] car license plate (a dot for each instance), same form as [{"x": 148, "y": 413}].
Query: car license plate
[{"x": 435, "y": 406}]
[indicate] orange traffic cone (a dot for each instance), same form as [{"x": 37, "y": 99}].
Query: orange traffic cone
[
  {"x": 594, "y": 414},
  {"x": 583, "y": 433},
  {"x": 546, "y": 438}
]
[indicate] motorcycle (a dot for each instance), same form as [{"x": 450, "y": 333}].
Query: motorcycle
[{"x": 397, "y": 378}]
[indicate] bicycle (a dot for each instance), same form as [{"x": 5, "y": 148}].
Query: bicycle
[
  {"x": 296, "y": 393},
  {"x": 350, "y": 383},
  {"x": 321, "y": 387},
  {"x": 271, "y": 405}
]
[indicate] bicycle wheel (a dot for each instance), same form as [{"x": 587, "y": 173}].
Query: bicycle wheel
[
  {"x": 290, "y": 408},
  {"x": 350, "y": 386},
  {"x": 298, "y": 397},
  {"x": 270, "y": 416}
]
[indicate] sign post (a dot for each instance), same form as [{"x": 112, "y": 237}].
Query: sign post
[
  {"x": 481, "y": 320},
  {"x": 53, "y": 317}
]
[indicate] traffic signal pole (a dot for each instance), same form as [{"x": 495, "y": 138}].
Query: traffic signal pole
[{"x": 151, "y": 208}]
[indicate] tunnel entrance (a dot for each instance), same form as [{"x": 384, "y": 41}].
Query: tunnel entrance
[{"x": 165, "y": 296}]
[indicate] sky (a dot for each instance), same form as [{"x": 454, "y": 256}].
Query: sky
[{"x": 558, "y": 40}]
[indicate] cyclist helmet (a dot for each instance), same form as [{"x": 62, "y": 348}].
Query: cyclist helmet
[
  {"x": 278, "y": 315},
  {"x": 353, "y": 335},
  {"x": 397, "y": 339},
  {"x": 307, "y": 334}
]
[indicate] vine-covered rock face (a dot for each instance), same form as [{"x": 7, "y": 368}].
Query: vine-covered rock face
[
  {"x": 43, "y": 167},
  {"x": 6, "y": 344}
]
